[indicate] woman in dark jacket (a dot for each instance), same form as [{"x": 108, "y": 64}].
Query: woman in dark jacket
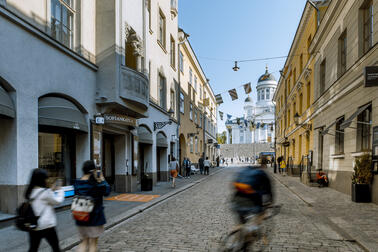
[{"x": 94, "y": 185}]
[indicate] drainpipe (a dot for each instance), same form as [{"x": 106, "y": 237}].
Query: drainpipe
[
  {"x": 144, "y": 39},
  {"x": 317, "y": 11}
]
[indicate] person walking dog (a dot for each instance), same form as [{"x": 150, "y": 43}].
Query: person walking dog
[
  {"x": 91, "y": 185},
  {"x": 43, "y": 200}
]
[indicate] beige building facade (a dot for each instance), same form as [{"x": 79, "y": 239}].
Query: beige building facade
[{"x": 345, "y": 111}]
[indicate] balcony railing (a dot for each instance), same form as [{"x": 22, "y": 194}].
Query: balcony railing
[{"x": 134, "y": 86}]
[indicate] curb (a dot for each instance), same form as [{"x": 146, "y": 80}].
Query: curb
[
  {"x": 341, "y": 231},
  {"x": 112, "y": 222}
]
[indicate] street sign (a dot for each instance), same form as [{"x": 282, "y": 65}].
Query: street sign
[
  {"x": 100, "y": 120},
  {"x": 371, "y": 76}
]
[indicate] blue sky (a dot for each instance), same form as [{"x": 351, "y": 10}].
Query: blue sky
[{"x": 229, "y": 30}]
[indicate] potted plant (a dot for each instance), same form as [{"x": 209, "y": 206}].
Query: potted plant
[
  {"x": 362, "y": 179},
  {"x": 146, "y": 183}
]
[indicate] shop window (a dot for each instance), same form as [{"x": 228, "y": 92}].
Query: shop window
[
  {"x": 339, "y": 137},
  {"x": 363, "y": 130},
  {"x": 62, "y": 22},
  {"x": 56, "y": 154}
]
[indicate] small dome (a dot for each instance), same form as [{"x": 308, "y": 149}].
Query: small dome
[
  {"x": 267, "y": 76},
  {"x": 248, "y": 99}
]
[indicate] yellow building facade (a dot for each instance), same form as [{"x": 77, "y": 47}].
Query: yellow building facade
[
  {"x": 196, "y": 118},
  {"x": 295, "y": 95}
]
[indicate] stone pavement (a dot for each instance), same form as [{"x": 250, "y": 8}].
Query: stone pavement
[
  {"x": 354, "y": 221},
  {"x": 12, "y": 239},
  {"x": 197, "y": 219}
]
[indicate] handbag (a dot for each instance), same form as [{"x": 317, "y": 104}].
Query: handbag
[{"x": 81, "y": 207}]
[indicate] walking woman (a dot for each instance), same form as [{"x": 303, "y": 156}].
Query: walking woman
[
  {"x": 94, "y": 185},
  {"x": 43, "y": 203},
  {"x": 173, "y": 168}
]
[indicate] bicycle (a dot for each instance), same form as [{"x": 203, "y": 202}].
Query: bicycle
[{"x": 247, "y": 235}]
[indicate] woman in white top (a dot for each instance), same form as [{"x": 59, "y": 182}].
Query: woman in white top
[
  {"x": 173, "y": 167},
  {"x": 43, "y": 203}
]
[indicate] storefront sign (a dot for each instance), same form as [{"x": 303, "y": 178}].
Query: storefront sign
[
  {"x": 120, "y": 119},
  {"x": 100, "y": 120},
  {"x": 371, "y": 76}
]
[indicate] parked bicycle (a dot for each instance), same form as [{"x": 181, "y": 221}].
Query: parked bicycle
[{"x": 254, "y": 235}]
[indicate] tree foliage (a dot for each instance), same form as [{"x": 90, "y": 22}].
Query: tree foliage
[{"x": 362, "y": 170}]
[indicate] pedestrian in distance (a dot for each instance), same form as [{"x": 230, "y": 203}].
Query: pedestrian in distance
[
  {"x": 92, "y": 185},
  {"x": 217, "y": 161},
  {"x": 173, "y": 168},
  {"x": 183, "y": 167},
  {"x": 43, "y": 201},
  {"x": 206, "y": 165},
  {"x": 283, "y": 166},
  {"x": 188, "y": 167},
  {"x": 200, "y": 163}
]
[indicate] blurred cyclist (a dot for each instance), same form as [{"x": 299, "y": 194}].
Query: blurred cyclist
[{"x": 252, "y": 192}]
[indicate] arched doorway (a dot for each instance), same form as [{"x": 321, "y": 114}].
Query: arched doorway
[
  {"x": 144, "y": 151},
  {"x": 182, "y": 151}
]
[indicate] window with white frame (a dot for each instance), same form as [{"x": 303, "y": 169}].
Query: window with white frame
[
  {"x": 172, "y": 100},
  {"x": 62, "y": 21},
  {"x": 196, "y": 144},
  {"x": 173, "y": 53},
  {"x": 195, "y": 83},
  {"x": 182, "y": 103}
]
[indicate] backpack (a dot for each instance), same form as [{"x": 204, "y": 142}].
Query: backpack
[
  {"x": 26, "y": 219},
  {"x": 81, "y": 207}
]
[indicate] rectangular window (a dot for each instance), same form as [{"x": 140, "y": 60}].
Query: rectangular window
[
  {"x": 191, "y": 111},
  {"x": 190, "y": 76},
  {"x": 173, "y": 53},
  {"x": 367, "y": 25},
  {"x": 196, "y": 144},
  {"x": 161, "y": 35},
  {"x": 181, "y": 62},
  {"x": 342, "y": 53},
  {"x": 267, "y": 94},
  {"x": 200, "y": 92},
  {"x": 322, "y": 77},
  {"x": 62, "y": 23},
  {"x": 195, "y": 83},
  {"x": 308, "y": 94},
  {"x": 172, "y": 100},
  {"x": 363, "y": 130},
  {"x": 162, "y": 92},
  {"x": 191, "y": 144},
  {"x": 339, "y": 137},
  {"x": 301, "y": 63},
  {"x": 195, "y": 116},
  {"x": 182, "y": 102},
  {"x": 300, "y": 104}
]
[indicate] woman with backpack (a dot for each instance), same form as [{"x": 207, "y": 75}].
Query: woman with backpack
[
  {"x": 94, "y": 187},
  {"x": 43, "y": 200}
]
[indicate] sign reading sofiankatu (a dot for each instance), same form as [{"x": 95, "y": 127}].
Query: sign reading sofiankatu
[
  {"x": 120, "y": 119},
  {"x": 371, "y": 76}
]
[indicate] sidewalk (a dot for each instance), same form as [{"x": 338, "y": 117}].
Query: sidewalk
[
  {"x": 12, "y": 239},
  {"x": 353, "y": 221}
]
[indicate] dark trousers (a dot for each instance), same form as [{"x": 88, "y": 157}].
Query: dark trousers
[
  {"x": 201, "y": 169},
  {"x": 188, "y": 172},
  {"x": 206, "y": 170},
  {"x": 35, "y": 238}
]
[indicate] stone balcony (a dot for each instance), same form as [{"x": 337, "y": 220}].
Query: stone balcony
[{"x": 134, "y": 87}]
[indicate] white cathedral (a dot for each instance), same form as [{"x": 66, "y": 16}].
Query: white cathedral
[{"x": 257, "y": 124}]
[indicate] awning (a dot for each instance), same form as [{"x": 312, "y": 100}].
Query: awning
[
  {"x": 347, "y": 122},
  {"x": 60, "y": 112},
  {"x": 325, "y": 132},
  {"x": 144, "y": 135},
  {"x": 6, "y": 104},
  {"x": 161, "y": 140}
]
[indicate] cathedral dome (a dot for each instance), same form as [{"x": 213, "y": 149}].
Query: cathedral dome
[{"x": 266, "y": 77}]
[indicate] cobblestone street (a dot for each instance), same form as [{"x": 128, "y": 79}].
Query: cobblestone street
[{"x": 196, "y": 219}]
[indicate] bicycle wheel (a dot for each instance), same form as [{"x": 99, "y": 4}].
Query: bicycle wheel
[{"x": 233, "y": 242}]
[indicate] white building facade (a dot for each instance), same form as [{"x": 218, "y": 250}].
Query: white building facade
[{"x": 257, "y": 123}]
